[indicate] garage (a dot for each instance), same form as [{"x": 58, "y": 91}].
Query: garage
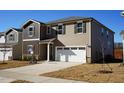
[
  {"x": 7, "y": 52},
  {"x": 71, "y": 54}
]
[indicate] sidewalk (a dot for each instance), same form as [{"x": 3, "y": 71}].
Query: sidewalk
[{"x": 8, "y": 76}]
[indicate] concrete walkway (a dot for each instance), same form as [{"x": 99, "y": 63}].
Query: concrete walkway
[{"x": 31, "y": 73}]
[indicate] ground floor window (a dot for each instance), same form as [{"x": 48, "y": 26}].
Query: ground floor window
[{"x": 30, "y": 49}]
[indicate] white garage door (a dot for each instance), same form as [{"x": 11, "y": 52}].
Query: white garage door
[
  {"x": 8, "y": 53},
  {"x": 71, "y": 54}
]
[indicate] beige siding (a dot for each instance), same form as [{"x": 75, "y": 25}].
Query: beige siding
[
  {"x": 15, "y": 33},
  {"x": 72, "y": 39}
]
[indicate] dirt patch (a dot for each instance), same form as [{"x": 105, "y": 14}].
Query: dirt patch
[
  {"x": 21, "y": 81},
  {"x": 13, "y": 64},
  {"x": 90, "y": 73}
]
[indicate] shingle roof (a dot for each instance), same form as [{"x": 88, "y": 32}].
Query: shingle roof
[
  {"x": 67, "y": 19},
  {"x": 17, "y": 29}
]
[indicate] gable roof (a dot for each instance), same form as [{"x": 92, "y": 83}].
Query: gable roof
[
  {"x": 72, "y": 18},
  {"x": 2, "y": 33},
  {"x": 31, "y": 20},
  {"x": 11, "y": 29}
]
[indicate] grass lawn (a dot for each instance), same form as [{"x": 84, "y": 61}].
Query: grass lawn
[
  {"x": 21, "y": 81},
  {"x": 91, "y": 73},
  {"x": 13, "y": 64}
]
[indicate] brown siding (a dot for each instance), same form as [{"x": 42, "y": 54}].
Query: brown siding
[
  {"x": 99, "y": 40},
  {"x": 17, "y": 49},
  {"x": 43, "y": 52},
  {"x": 35, "y": 45}
]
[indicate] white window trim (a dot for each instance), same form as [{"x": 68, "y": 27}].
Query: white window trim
[
  {"x": 49, "y": 27},
  {"x": 32, "y": 31}
]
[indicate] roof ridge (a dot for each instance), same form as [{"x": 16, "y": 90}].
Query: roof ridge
[{"x": 67, "y": 19}]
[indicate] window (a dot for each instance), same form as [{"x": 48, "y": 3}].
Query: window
[
  {"x": 102, "y": 30},
  {"x": 11, "y": 37},
  {"x": 30, "y": 49},
  {"x": 30, "y": 31},
  {"x": 66, "y": 48},
  {"x": 59, "y": 48},
  {"x": 81, "y": 48},
  {"x": 109, "y": 44},
  {"x": 49, "y": 30},
  {"x": 80, "y": 28},
  {"x": 61, "y": 29},
  {"x": 107, "y": 34},
  {"x": 73, "y": 48}
]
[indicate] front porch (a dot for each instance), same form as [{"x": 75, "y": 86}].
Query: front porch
[{"x": 47, "y": 50}]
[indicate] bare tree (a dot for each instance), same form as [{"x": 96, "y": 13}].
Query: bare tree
[{"x": 103, "y": 57}]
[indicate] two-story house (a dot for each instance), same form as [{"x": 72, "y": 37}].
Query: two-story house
[
  {"x": 72, "y": 39},
  {"x": 5, "y": 49},
  {"x": 14, "y": 39}
]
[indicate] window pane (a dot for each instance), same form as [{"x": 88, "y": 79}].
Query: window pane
[
  {"x": 73, "y": 48},
  {"x": 66, "y": 48},
  {"x": 79, "y": 24},
  {"x": 79, "y": 30},
  {"x": 60, "y": 27},
  {"x": 81, "y": 48},
  {"x": 30, "y": 29},
  {"x": 59, "y": 48}
]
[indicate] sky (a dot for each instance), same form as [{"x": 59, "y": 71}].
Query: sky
[{"x": 15, "y": 18}]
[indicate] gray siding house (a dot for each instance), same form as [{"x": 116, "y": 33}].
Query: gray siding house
[
  {"x": 14, "y": 39},
  {"x": 72, "y": 39}
]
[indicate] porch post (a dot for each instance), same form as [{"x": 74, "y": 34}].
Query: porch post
[{"x": 48, "y": 52}]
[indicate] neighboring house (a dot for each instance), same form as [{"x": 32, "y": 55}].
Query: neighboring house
[
  {"x": 5, "y": 49},
  {"x": 14, "y": 38},
  {"x": 32, "y": 33},
  {"x": 118, "y": 50},
  {"x": 72, "y": 39}
]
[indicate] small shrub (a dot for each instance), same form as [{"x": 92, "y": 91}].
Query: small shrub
[{"x": 26, "y": 58}]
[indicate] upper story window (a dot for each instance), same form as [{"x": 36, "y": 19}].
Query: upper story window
[
  {"x": 102, "y": 31},
  {"x": 11, "y": 37},
  {"x": 80, "y": 27},
  {"x": 61, "y": 29},
  {"x": 107, "y": 33},
  {"x": 49, "y": 30},
  {"x": 31, "y": 31}
]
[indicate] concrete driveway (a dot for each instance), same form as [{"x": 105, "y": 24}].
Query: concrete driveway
[
  {"x": 43, "y": 68},
  {"x": 31, "y": 73}
]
